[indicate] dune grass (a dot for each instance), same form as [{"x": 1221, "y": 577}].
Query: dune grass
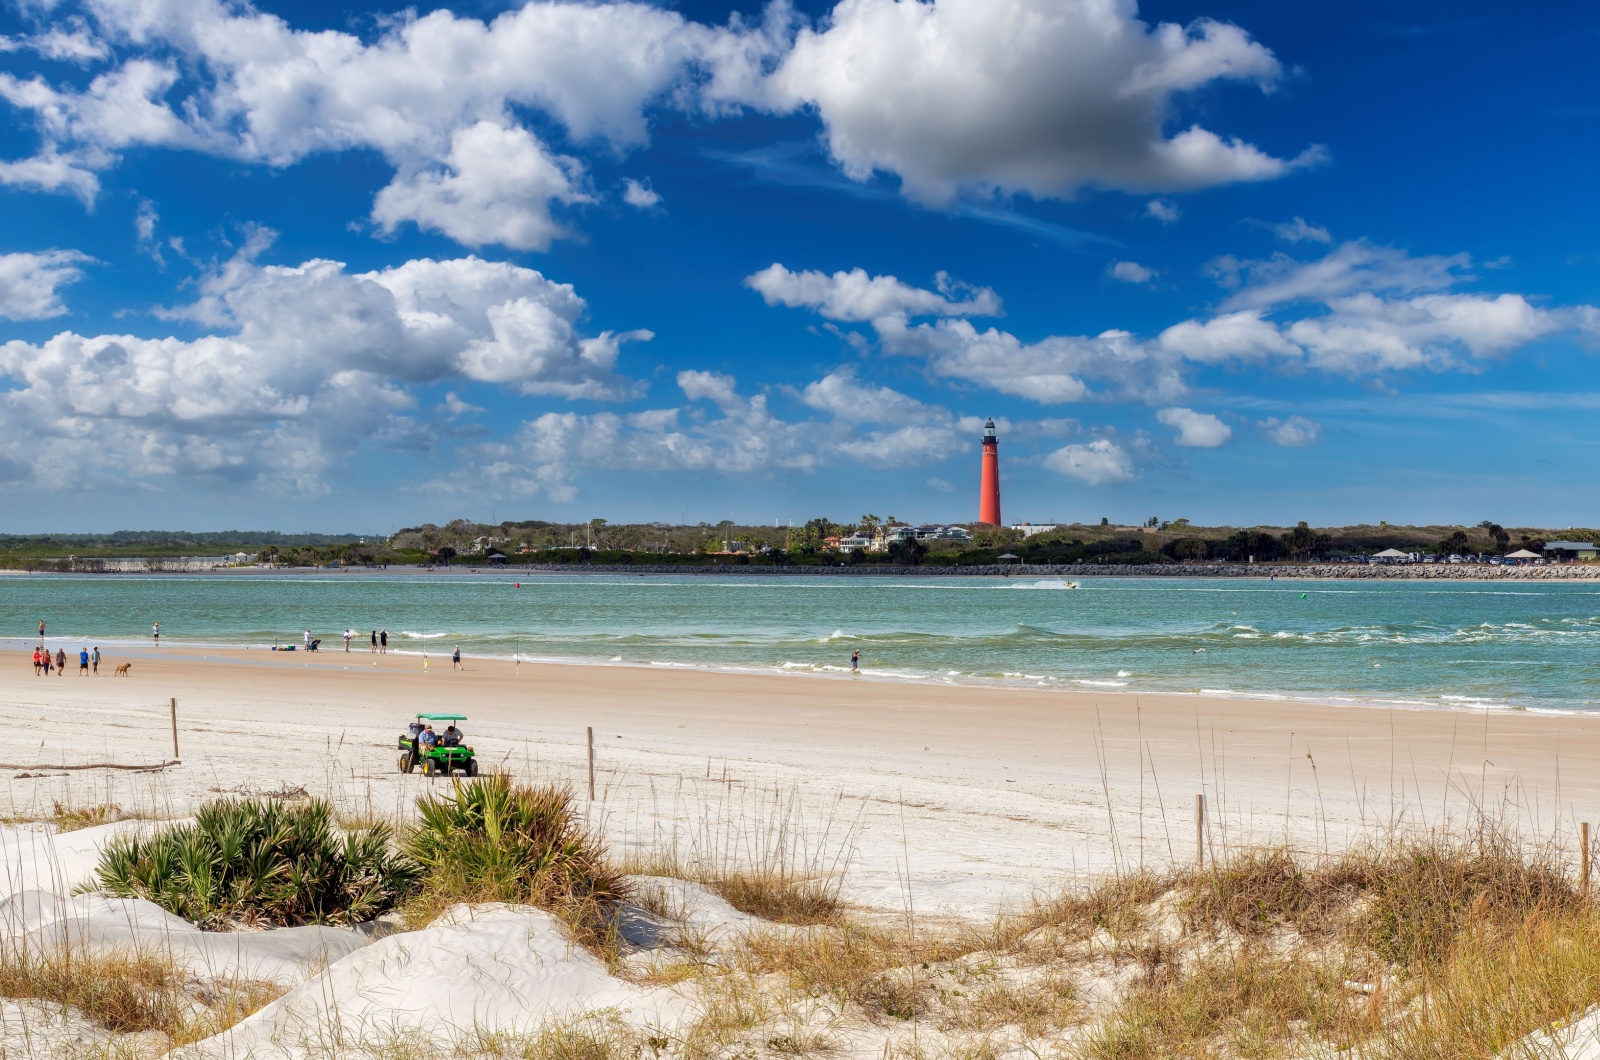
[
  {"x": 69, "y": 817},
  {"x": 778, "y": 896},
  {"x": 495, "y": 841},
  {"x": 1436, "y": 945},
  {"x": 1427, "y": 946},
  {"x": 132, "y": 992}
]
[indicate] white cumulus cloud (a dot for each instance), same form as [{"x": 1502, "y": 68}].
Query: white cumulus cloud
[
  {"x": 1300, "y": 230},
  {"x": 30, "y": 284},
  {"x": 1054, "y": 369},
  {"x": 1294, "y": 431},
  {"x": 855, "y": 296},
  {"x": 495, "y": 185},
  {"x": 1361, "y": 310},
  {"x": 1358, "y": 310},
  {"x": 437, "y": 96},
  {"x": 845, "y": 397},
  {"x": 1045, "y": 97},
  {"x": 1098, "y": 463},
  {"x": 307, "y": 361},
  {"x": 1131, "y": 272},
  {"x": 1164, "y": 210},
  {"x": 1196, "y": 430},
  {"x": 1038, "y": 96},
  {"x": 639, "y": 194}
]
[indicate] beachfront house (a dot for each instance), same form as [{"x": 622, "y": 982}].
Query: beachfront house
[
  {"x": 944, "y": 533},
  {"x": 855, "y": 541},
  {"x": 1569, "y": 551}
]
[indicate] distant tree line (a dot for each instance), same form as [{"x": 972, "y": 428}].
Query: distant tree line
[{"x": 813, "y": 542}]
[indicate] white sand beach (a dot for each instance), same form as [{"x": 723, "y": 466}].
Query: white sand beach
[{"x": 958, "y": 800}]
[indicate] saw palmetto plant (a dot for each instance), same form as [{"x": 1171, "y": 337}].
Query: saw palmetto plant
[{"x": 260, "y": 861}]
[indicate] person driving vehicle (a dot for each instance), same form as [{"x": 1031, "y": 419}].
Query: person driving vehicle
[{"x": 452, "y": 736}]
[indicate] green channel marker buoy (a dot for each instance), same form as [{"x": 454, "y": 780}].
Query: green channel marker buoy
[{"x": 1302, "y": 596}]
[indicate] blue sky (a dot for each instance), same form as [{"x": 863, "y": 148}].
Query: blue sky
[{"x": 335, "y": 266}]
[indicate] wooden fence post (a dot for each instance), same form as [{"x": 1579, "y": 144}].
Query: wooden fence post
[
  {"x": 175, "y": 729},
  {"x": 1200, "y": 831},
  {"x": 591, "y": 763},
  {"x": 1585, "y": 859}
]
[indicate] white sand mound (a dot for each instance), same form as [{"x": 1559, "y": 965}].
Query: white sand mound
[
  {"x": 492, "y": 968},
  {"x": 37, "y": 857},
  {"x": 1579, "y": 1039},
  {"x": 40, "y": 921},
  {"x": 38, "y": 911},
  {"x": 40, "y": 1030},
  {"x": 691, "y": 911}
]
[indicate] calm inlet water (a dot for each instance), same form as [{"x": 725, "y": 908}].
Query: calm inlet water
[{"x": 1444, "y": 644}]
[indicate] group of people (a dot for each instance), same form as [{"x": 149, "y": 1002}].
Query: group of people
[
  {"x": 88, "y": 662},
  {"x": 427, "y": 739},
  {"x": 380, "y": 640},
  {"x": 44, "y": 663}
]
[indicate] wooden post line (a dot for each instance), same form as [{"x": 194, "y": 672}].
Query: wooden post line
[
  {"x": 1200, "y": 831},
  {"x": 175, "y": 755},
  {"x": 1585, "y": 859},
  {"x": 591, "y": 763}
]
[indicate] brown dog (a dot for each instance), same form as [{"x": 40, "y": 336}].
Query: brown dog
[{"x": 122, "y": 670}]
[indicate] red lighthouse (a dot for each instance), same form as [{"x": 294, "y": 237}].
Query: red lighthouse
[{"x": 989, "y": 490}]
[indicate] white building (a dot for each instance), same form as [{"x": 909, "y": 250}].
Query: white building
[{"x": 943, "y": 533}]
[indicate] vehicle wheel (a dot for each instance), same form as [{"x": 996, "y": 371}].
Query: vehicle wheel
[
  {"x": 405, "y": 762},
  {"x": 472, "y": 767},
  {"x": 428, "y": 768}
]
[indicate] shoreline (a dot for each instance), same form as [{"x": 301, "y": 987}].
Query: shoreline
[
  {"x": 1288, "y": 572},
  {"x": 329, "y": 660}
]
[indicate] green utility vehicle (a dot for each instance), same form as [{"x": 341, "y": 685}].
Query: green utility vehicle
[{"x": 444, "y": 756}]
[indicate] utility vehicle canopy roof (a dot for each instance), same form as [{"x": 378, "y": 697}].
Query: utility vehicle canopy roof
[{"x": 441, "y": 717}]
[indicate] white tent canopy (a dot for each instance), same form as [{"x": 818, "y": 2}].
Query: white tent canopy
[
  {"x": 1523, "y": 553},
  {"x": 1392, "y": 553}
]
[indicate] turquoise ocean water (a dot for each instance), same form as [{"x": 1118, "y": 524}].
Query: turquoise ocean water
[{"x": 1472, "y": 644}]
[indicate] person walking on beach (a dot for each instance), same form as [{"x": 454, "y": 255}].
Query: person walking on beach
[
  {"x": 83, "y": 662},
  {"x": 383, "y": 642},
  {"x": 155, "y": 633},
  {"x": 855, "y": 661},
  {"x": 308, "y": 640},
  {"x": 374, "y": 642},
  {"x": 347, "y": 640},
  {"x": 41, "y": 632},
  {"x": 455, "y": 658},
  {"x": 38, "y": 662},
  {"x": 61, "y": 662},
  {"x": 48, "y": 662},
  {"x": 95, "y": 659}
]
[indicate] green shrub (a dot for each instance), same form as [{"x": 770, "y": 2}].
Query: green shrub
[
  {"x": 258, "y": 861},
  {"x": 492, "y": 841}
]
